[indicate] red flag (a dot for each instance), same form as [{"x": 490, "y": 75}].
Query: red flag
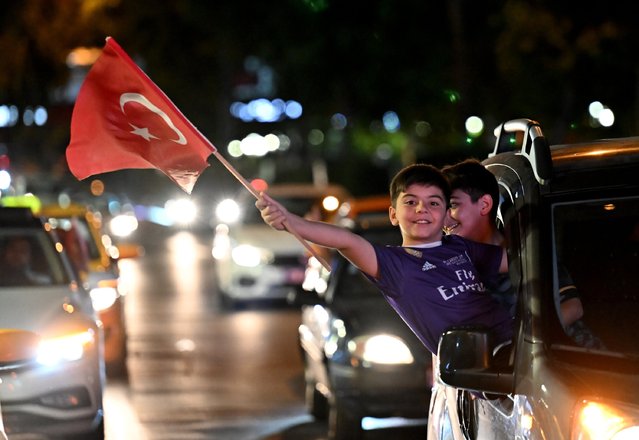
[{"x": 121, "y": 119}]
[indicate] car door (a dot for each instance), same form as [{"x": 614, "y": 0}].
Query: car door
[{"x": 495, "y": 417}]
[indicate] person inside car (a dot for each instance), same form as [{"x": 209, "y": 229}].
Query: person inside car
[
  {"x": 473, "y": 215},
  {"x": 16, "y": 263},
  {"x": 432, "y": 281}
]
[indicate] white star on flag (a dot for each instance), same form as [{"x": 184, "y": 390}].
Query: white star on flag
[{"x": 143, "y": 132}]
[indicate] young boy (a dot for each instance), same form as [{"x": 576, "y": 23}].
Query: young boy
[
  {"x": 473, "y": 214},
  {"x": 474, "y": 200},
  {"x": 432, "y": 281}
]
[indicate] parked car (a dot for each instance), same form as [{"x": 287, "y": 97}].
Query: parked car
[
  {"x": 360, "y": 359},
  {"x": 61, "y": 395},
  {"x": 94, "y": 256},
  {"x": 254, "y": 262},
  {"x": 570, "y": 206}
]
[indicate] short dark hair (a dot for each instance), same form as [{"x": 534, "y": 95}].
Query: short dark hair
[
  {"x": 471, "y": 177},
  {"x": 419, "y": 173}
]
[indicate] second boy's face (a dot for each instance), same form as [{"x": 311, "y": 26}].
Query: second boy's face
[
  {"x": 463, "y": 216},
  {"x": 419, "y": 212}
]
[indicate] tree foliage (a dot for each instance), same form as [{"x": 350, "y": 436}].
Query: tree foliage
[{"x": 431, "y": 62}]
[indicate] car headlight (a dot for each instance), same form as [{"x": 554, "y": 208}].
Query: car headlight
[
  {"x": 605, "y": 421},
  {"x": 228, "y": 211},
  {"x": 103, "y": 297},
  {"x": 181, "y": 211},
  {"x": 123, "y": 225},
  {"x": 65, "y": 348},
  {"x": 381, "y": 349},
  {"x": 250, "y": 256}
]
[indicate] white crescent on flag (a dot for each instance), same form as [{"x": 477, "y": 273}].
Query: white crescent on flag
[{"x": 143, "y": 131}]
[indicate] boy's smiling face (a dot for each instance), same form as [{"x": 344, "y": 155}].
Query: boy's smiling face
[
  {"x": 419, "y": 212},
  {"x": 464, "y": 215}
]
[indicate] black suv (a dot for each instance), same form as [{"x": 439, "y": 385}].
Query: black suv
[{"x": 571, "y": 208}]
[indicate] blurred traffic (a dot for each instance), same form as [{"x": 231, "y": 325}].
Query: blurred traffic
[
  {"x": 254, "y": 262},
  {"x": 252, "y": 266}
]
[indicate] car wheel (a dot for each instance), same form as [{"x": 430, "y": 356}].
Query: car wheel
[
  {"x": 316, "y": 403},
  {"x": 343, "y": 423}
]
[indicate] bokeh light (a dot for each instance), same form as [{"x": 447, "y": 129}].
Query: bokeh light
[{"x": 474, "y": 126}]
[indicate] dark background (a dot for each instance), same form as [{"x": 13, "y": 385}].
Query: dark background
[{"x": 434, "y": 63}]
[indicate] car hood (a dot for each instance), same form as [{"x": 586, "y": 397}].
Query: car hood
[
  {"x": 45, "y": 310},
  {"x": 263, "y": 236},
  {"x": 605, "y": 378},
  {"x": 375, "y": 315}
]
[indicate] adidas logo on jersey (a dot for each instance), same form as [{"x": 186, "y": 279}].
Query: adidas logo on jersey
[{"x": 428, "y": 266}]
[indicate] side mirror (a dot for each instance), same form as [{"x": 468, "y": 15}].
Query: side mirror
[{"x": 466, "y": 361}]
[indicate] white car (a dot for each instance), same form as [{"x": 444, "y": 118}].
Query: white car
[
  {"x": 252, "y": 260},
  {"x": 60, "y": 394}
]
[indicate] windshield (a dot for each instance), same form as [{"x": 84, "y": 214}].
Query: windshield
[
  {"x": 597, "y": 245},
  {"x": 28, "y": 258},
  {"x": 350, "y": 282}
]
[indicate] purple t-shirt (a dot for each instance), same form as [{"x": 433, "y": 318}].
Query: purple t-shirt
[{"x": 435, "y": 288}]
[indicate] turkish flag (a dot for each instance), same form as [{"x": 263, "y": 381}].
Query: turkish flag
[{"x": 121, "y": 119}]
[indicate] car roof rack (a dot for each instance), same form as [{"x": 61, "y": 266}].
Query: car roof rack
[{"x": 534, "y": 146}]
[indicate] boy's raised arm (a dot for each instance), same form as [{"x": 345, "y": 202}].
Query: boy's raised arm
[{"x": 355, "y": 248}]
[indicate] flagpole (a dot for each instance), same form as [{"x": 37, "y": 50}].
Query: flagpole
[{"x": 253, "y": 191}]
